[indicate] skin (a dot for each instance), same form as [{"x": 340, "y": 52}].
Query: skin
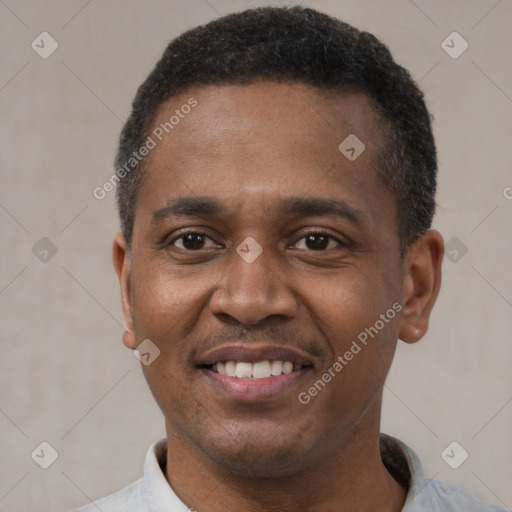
[{"x": 250, "y": 148}]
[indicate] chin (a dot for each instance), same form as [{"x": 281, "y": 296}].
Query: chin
[
  {"x": 255, "y": 462},
  {"x": 256, "y": 454}
]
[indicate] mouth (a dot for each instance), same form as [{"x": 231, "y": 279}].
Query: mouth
[
  {"x": 251, "y": 374},
  {"x": 258, "y": 370}
]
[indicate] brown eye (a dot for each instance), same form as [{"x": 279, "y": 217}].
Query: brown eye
[
  {"x": 193, "y": 241},
  {"x": 318, "y": 242}
]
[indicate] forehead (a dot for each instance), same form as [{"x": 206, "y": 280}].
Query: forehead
[
  {"x": 251, "y": 143},
  {"x": 257, "y": 113}
]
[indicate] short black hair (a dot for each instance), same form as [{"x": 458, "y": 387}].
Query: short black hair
[{"x": 295, "y": 45}]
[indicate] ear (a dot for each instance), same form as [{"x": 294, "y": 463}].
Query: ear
[
  {"x": 422, "y": 280},
  {"x": 122, "y": 265}
]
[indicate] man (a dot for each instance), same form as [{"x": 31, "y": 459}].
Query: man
[{"x": 277, "y": 183}]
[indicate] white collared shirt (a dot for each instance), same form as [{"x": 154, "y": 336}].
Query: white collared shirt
[{"x": 152, "y": 493}]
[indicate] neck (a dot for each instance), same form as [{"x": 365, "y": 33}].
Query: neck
[{"x": 352, "y": 475}]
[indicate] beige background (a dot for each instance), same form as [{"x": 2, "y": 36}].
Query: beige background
[{"x": 65, "y": 376}]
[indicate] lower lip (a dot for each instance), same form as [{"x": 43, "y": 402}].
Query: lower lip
[{"x": 255, "y": 389}]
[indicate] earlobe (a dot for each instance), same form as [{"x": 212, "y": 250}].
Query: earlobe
[
  {"x": 122, "y": 265},
  {"x": 422, "y": 281}
]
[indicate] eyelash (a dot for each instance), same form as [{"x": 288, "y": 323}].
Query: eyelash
[
  {"x": 322, "y": 232},
  {"x": 194, "y": 232},
  {"x": 205, "y": 234}
]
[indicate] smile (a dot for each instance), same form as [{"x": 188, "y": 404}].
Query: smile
[
  {"x": 257, "y": 370},
  {"x": 254, "y": 372}
]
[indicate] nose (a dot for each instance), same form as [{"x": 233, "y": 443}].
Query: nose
[{"x": 252, "y": 292}]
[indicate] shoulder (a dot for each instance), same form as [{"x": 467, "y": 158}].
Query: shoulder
[
  {"x": 424, "y": 493},
  {"x": 437, "y": 495},
  {"x": 129, "y": 499}
]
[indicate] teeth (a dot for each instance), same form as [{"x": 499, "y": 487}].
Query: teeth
[
  {"x": 259, "y": 370},
  {"x": 231, "y": 369},
  {"x": 276, "y": 367},
  {"x": 243, "y": 370},
  {"x": 287, "y": 367}
]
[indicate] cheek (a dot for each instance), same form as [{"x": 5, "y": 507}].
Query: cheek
[
  {"x": 356, "y": 315},
  {"x": 167, "y": 310},
  {"x": 346, "y": 304},
  {"x": 167, "y": 304}
]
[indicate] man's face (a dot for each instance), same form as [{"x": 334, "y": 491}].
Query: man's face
[{"x": 257, "y": 168}]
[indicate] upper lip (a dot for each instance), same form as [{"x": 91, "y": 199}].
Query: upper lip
[{"x": 253, "y": 354}]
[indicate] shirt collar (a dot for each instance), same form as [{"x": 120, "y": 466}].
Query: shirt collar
[
  {"x": 161, "y": 497},
  {"x": 417, "y": 483},
  {"x": 159, "y": 494}
]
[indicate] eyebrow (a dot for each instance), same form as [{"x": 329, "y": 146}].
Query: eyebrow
[
  {"x": 189, "y": 207},
  {"x": 320, "y": 207},
  {"x": 306, "y": 207}
]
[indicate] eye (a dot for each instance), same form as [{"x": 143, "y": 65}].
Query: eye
[
  {"x": 318, "y": 242},
  {"x": 192, "y": 241}
]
